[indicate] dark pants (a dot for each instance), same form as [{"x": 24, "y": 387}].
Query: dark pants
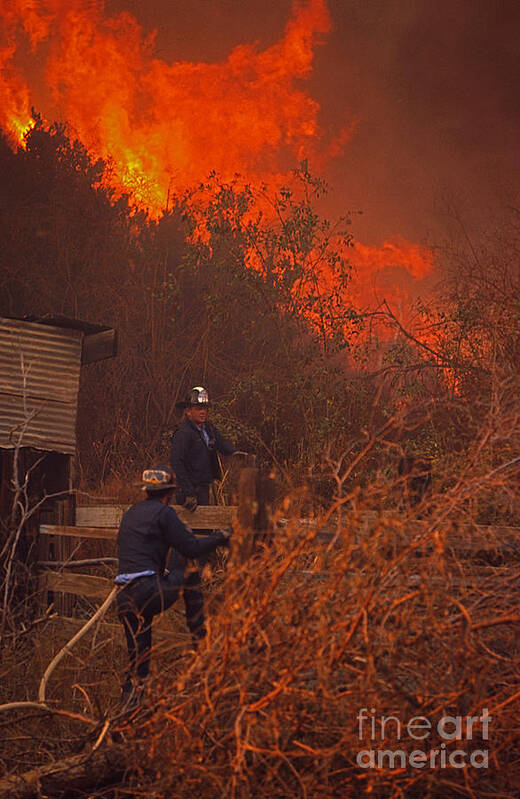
[
  {"x": 137, "y": 603},
  {"x": 201, "y": 492},
  {"x": 192, "y": 589}
]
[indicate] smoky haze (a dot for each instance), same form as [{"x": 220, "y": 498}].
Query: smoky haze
[
  {"x": 435, "y": 89},
  {"x": 431, "y": 87}
]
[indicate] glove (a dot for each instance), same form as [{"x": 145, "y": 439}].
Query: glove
[
  {"x": 223, "y": 537},
  {"x": 190, "y": 503}
]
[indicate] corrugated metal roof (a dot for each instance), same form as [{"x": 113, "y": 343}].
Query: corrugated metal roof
[
  {"x": 58, "y": 320},
  {"x": 39, "y": 382},
  {"x": 99, "y": 341}
]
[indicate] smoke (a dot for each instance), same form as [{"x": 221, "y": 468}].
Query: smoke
[
  {"x": 426, "y": 90},
  {"x": 434, "y": 87},
  {"x": 417, "y": 101},
  {"x": 410, "y": 108},
  {"x": 163, "y": 120}
]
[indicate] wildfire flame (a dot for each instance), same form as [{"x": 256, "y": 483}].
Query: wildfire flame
[
  {"x": 393, "y": 270},
  {"x": 159, "y": 122},
  {"x": 165, "y": 126}
]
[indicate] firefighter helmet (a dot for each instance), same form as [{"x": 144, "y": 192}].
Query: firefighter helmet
[
  {"x": 158, "y": 478},
  {"x": 197, "y": 398}
]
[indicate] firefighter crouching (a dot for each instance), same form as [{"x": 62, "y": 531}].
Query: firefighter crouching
[{"x": 149, "y": 585}]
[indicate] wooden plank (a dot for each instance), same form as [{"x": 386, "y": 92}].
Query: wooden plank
[
  {"x": 98, "y": 346},
  {"x": 447, "y": 581},
  {"x": 99, "y": 515},
  {"x": 465, "y": 538},
  {"x": 473, "y": 531},
  {"x": 215, "y": 516},
  {"x": 105, "y": 533},
  {"x": 63, "y": 547},
  {"x": 83, "y": 584},
  {"x": 205, "y": 517},
  {"x": 74, "y": 564},
  {"x": 98, "y": 588},
  {"x": 162, "y": 628},
  {"x": 93, "y": 587},
  {"x": 457, "y": 543},
  {"x": 479, "y": 540},
  {"x": 466, "y": 541}
]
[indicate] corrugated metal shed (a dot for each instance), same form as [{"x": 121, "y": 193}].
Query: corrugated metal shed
[{"x": 39, "y": 381}]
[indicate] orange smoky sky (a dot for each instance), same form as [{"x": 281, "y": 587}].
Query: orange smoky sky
[
  {"x": 410, "y": 109},
  {"x": 164, "y": 123},
  {"x": 418, "y": 100}
]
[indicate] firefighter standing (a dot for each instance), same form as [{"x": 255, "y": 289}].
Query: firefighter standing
[
  {"x": 194, "y": 460},
  {"x": 195, "y": 448}
]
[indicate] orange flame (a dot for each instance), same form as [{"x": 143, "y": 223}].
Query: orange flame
[
  {"x": 158, "y": 122},
  {"x": 392, "y": 272},
  {"x": 165, "y": 126},
  {"x": 15, "y": 110},
  {"x": 390, "y": 277}
]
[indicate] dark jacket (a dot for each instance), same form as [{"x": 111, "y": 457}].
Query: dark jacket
[
  {"x": 193, "y": 461},
  {"x": 147, "y": 531}
]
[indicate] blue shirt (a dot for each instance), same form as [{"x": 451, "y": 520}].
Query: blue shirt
[{"x": 122, "y": 579}]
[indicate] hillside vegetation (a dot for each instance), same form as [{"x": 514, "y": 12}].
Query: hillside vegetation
[{"x": 407, "y": 607}]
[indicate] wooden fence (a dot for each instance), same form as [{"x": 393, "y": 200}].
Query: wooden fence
[
  {"x": 250, "y": 517},
  {"x": 100, "y": 523},
  {"x": 97, "y": 525}
]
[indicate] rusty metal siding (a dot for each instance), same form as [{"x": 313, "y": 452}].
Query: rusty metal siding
[{"x": 39, "y": 383}]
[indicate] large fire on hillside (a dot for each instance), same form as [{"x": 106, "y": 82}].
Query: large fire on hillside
[{"x": 165, "y": 126}]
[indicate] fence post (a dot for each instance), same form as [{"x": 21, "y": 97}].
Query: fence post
[
  {"x": 256, "y": 492},
  {"x": 60, "y": 512}
]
